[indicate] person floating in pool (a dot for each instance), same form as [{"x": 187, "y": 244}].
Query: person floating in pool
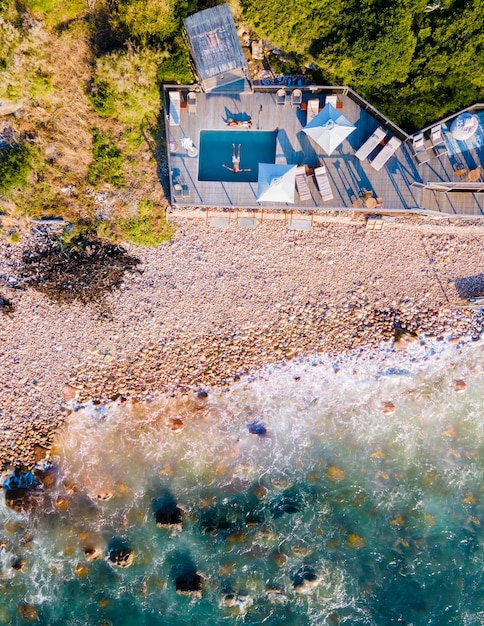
[{"x": 235, "y": 161}]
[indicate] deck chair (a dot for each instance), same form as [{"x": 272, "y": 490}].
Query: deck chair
[
  {"x": 332, "y": 100},
  {"x": 296, "y": 98},
  {"x": 281, "y": 97},
  {"x": 302, "y": 184},
  {"x": 419, "y": 150},
  {"x": 440, "y": 150},
  {"x": 436, "y": 136},
  {"x": 370, "y": 144},
  {"x": 192, "y": 102},
  {"x": 313, "y": 109},
  {"x": 385, "y": 153},
  {"x": 323, "y": 183}
]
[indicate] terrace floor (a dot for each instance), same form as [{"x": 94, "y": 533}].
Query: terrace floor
[{"x": 401, "y": 183}]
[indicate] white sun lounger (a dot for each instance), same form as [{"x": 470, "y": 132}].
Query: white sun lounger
[
  {"x": 370, "y": 144},
  {"x": 385, "y": 153},
  {"x": 313, "y": 109},
  {"x": 436, "y": 136},
  {"x": 419, "y": 148},
  {"x": 302, "y": 184},
  {"x": 323, "y": 183},
  {"x": 175, "y": 106}
]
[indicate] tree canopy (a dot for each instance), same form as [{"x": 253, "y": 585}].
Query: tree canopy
[{"x": 413, "y": 61}]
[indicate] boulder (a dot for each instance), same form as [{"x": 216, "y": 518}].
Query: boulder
[
  {"x": 405, "y": 338},
  {"x": 169, "y": 516},
  {"x": 189, "y": 584},
  {"x": 16, "y": 499},
  {"x": 28, "y": 612},
  {"x": 305, "y": 580},
  {"x": 120, "y": 554}
]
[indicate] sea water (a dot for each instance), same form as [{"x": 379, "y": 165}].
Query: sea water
[{"x": 306, "y": 501}]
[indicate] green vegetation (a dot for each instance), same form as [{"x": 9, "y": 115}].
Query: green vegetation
[
  {"x": 125, "y": 87},
  {"x": 415, "y": 66},
  {"x": 107, "y": 163},
  {"x": 15, "y": 167},
  {"x": 148, "y": 228}
]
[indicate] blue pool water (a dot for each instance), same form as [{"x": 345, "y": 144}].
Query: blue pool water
[{"x": 256, "y": 146}]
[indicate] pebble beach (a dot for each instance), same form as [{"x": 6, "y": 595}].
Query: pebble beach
[{"x": 215, "y": 305}]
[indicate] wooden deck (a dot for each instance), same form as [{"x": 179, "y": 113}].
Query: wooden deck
[{"x": 400, "y": 183}]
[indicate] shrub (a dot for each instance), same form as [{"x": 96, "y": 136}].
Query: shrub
[
  {"x": 107, "y": 163},
  {"x": 149, "y": 228},
  {"x": 15, "y": 167}
]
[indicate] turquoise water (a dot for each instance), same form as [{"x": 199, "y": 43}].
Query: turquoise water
[
  {"x": 256, "y": 146},
  {"x": 379, "y": 512}
]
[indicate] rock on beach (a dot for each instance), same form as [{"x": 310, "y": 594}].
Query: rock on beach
[{"x": 211, "y": 307}]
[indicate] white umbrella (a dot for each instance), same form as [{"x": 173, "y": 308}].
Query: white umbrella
[
  {"x": 329, "y": 128},
  {"x": 464, "y": 126},
  {"x": 276, "y": 183}
]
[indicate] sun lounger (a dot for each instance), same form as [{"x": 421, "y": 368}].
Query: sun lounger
[
  {"x": 323, "y": 183},
  {"x": 370, "y": 144},
  {"x": 332, "y": 100},
  {"x": 175, "y": 106},
  {"x": 313, "y": 109},
  {"x": 192, "y": 102},
  {"x": 281, "y": 97},
  {"x": 419, "y": 148},
  {"x": 385, "y": 153},
  {"x": 302, "y": 184},
  {"x": 436, "y": 136},
  {"x": 440, "y": 150},
  {"x": 296, "y": 98}
]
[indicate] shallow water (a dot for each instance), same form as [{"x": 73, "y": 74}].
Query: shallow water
[{"x": 383, "y": 511}]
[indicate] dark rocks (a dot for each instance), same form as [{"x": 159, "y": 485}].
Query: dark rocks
[
  {"x": 305, "y": 580},
  {"x": 28, "y": 612},
  {"x": 257, "y": 428},
  {"x": 169, "y": 516},
  {"x": 120, "y": 554},
  {"x": 189, "y": 584},
  {"x": 405, "y": 338}
]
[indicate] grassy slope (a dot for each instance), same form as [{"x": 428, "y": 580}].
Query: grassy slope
[{"x": 49, "y": 70}]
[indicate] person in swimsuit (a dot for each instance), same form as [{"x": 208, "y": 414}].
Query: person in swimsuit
[
  {"x": 235, "y": 161},
  {"x": 240, "y": 123}
]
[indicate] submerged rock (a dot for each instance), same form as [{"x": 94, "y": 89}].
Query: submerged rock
[
  {"x": 388, "y": 408},
  {"x": 257, "y": 428},
  {"x": 19, "y": 564},
  {"x": 120, "y": 554},
  {"x": 92, "y": 553},
  {"x": 28, "y": 612},
  {"x": 459, "y": 386},
  {"x": 16, "y": 499},
  {"x": 284, "y": 505},
  {"x": 189, "y": 584},
  {"x": 167, "y": 512},
  {"x": 169, "y": 516},
  {"x": 305, "y": 580}
]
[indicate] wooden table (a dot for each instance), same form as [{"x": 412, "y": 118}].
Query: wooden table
[
  {"x": 474, "y": 175},
  {"x": 370, "y": 203}
]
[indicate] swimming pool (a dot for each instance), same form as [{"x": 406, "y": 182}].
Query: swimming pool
[{"x": 256, "y": 146}]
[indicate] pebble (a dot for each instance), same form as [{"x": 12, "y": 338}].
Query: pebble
[{"x": 167, "y": 341}]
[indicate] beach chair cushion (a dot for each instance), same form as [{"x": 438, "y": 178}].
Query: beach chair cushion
[
  {"x": 370, "y": 144},
  {"x": 323, "y": 183},
  {"x": 302, "y": 184}
]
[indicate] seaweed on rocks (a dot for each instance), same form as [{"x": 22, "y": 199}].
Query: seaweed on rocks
[{"x": 75, "y": 266}]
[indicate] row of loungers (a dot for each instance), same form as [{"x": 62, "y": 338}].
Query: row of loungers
[
  {"x": 322, "y": 181},
  {"x": 379, "y": 160}
]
